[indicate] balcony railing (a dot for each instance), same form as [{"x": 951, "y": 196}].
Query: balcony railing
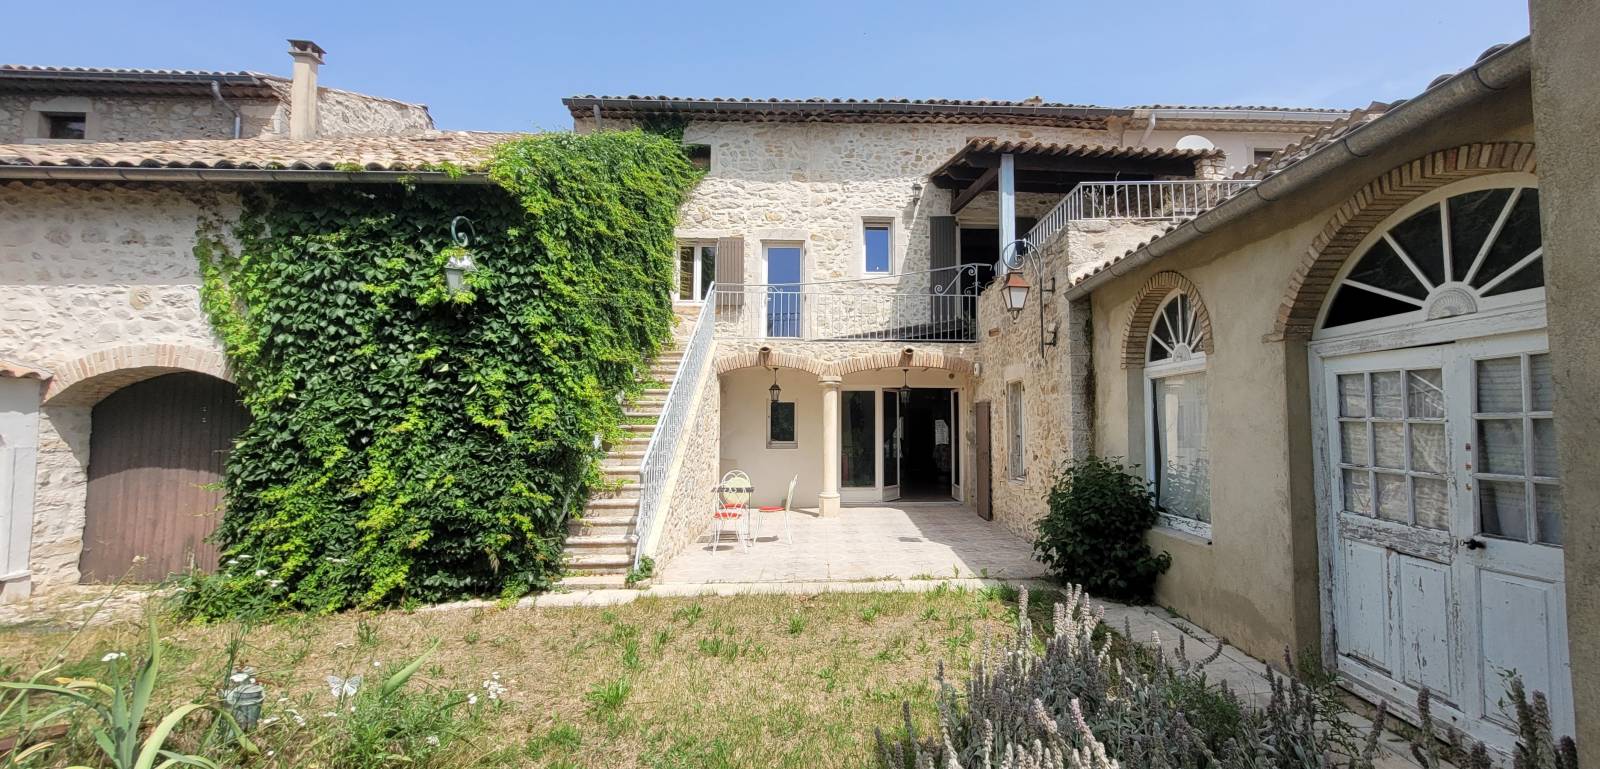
[
  {"x": 930, "y": 306},
  {"x": 1147, "y": 201}
]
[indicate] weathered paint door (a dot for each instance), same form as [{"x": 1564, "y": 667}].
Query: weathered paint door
[
  {"x": 1442, "y": 485},
  {"x": 19, "y": 441},
  {"x": 981, "y": 474},
  {"x": 156, "y": 454}
]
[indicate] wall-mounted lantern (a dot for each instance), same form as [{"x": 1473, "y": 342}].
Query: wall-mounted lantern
[
  {"x": 775, "y": 391},
  {"x": 460, "y": 262},
  {"x": 905, "y": 387},
  {"x": 1015, "y": 256}
]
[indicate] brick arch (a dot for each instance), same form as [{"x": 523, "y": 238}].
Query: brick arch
[
  {"x": 83, "y": 382},
  {"x": 779, "y": 358},
  {"x": 1370, "y": 206},
  {"x": 1149, "y": 300},
  {"x": 898, "y": 359}
]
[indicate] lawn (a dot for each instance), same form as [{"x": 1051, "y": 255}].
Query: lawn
[{"x": 749, "y": 681}]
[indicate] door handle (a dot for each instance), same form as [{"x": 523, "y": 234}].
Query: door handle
[{"x": 1472, "y": 543}]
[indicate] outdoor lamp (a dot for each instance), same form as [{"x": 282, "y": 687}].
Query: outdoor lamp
[
  {"x": 905, "y": 386},
  {"x": 775, "y": 391},
  {"x": 1015, "y": 292},
  {"x": 460, "y": 262}
]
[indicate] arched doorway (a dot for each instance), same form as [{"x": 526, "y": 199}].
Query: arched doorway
[
  {"x": 1432, "y": 389},
  {"x": 156, "y": 454}
]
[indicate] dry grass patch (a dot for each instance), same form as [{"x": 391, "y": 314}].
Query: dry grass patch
[{"x": 749, "y": 681}]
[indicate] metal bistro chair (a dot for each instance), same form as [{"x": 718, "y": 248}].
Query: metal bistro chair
[
  {"x": 788, "y": 501},
  {"x": 733, "y": 494}
]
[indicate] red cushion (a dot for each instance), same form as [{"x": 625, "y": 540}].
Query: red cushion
[
  {"x": 770, "y": 509},
  {"x": 725, "y": 515}
]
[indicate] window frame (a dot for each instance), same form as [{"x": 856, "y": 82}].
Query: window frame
[
  {"x": 697, "y": 272},
  {"x": 1194, "y": 363},
  {"x": 887, "y": 224},
  {"x": 800, "y": 328},
  {"x": 1016, "y": 431},
  {"x": 794, "y": 416}
]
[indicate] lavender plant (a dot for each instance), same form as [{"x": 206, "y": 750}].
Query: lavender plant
[{"x": 1085, "y": 698}]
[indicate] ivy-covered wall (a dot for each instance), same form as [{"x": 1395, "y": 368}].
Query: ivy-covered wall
[{"x": 413, "y": 444}]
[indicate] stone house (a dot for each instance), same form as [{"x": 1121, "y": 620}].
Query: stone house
[
  {"x": 849, "y": 241},
  {"x": 85, "y": 104},
  {"x": 1287, "y": 342}
]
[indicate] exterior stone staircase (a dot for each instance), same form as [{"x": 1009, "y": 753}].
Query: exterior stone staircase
[{"x": 600, "y": 546}]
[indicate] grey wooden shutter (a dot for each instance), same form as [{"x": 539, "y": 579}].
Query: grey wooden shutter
[
  {"x": 730, "y": 272},
  {"x": 942, "y": 244}
]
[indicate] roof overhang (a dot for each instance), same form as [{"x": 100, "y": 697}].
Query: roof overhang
[
  {"x": 1056, "y": 168},
  {"x": 52, "y": 80},
  {"x": 841, "y": 110},
  {"x": 229, "y": 175}
]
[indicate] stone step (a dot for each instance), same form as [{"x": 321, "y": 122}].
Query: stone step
[
  {"x": 643, "y": 409},
  {"x": 657, "y": 393},
  {"x": 605, "y": 563},
  {"x": 625, "y": 472},
  {"x": 602, "y": 525},
  {"x": 610, "y": 505},
  {"x": 600, "y": 544},
  {"x": 594, "y": 581},
  {"x": 624, "y": 456},
  {"x": 629, "y": 492},
  {"x": 643, "y": 430}
]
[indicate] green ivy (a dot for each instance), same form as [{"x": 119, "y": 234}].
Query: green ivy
[{"x": 410, "y": 443}]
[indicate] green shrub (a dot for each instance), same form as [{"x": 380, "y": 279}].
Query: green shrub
[
  {"x": 410, "y": 443},
  {"x": 1093, "y": 534}
]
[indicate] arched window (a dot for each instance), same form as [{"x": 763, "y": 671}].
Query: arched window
[
  {"x": 1456, "y": 256},
  {"x": 1175, "y": 418}
]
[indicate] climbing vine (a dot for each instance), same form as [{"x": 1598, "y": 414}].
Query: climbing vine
[{"x": 411, "y": 443}]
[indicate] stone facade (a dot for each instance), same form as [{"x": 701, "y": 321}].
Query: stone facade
[
  {"x": 154, "y": 118},
  {"x": 688, "y": 507},
  {"x": 98, "y": 285}
]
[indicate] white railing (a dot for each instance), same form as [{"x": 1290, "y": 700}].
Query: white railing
[
  {"x": 1148, "y": 201},
  {"x": 670, "y": 428},
  {"x": 929, "y": 306}
]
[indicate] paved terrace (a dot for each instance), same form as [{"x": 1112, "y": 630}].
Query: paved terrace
[{"x": 913, "y": 540}]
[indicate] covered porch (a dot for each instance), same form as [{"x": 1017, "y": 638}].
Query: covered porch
[{"x": 892, "y": 540}]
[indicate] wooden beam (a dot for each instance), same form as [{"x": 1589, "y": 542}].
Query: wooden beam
[
  {"x": 1080, "y": 165},
  {"x": 985, "y": 182}
]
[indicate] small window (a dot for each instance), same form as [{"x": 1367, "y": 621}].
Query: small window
[
  {"x": 66, "y": 125},
  {"x": 780, "y": 425},
  {"x": 1016, "y": 460},
  {"x": 697, "y": 269},
  {"x": 876, "y": 247},
  {"x": 1263, "y": 154}
]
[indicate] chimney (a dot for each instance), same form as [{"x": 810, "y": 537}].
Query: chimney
[{"x": 303, "y": 90}]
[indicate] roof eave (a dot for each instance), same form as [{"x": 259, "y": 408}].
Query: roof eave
[{"x": 229, "y": 175}]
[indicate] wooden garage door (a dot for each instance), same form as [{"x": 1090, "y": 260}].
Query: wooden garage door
[{"x": 156, "y": 453}]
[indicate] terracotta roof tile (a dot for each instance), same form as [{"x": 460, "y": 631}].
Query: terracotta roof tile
[
  {"x": 1314, "y": 141},
  {"x": 1028, "y": 111},
  {"x": 411, "y": 152}
]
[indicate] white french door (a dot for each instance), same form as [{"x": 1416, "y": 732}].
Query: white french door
[
  {"x": 894, "y": 420},
  {"x": 1444, "y": 524}
]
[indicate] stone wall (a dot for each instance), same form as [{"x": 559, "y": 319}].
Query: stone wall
[
  {"x": 150, "y": 118},
  {"x": 96, "y": 280},
  {"x": 138, "y": 118},
  {"x": 813, "y": 184},
  {"x": 689, "y": 503}
]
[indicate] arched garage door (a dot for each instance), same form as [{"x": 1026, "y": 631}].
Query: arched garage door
[{"x": 156, "y": 454}]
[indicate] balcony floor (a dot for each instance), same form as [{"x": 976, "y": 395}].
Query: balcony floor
[{"x": 909, "y": 540}]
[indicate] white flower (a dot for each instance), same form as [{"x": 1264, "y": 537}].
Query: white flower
[
  {"x": 472, "y": 699},
  {"x": 244, "y": 557},
  {"x": 330, "y": 714},
  {"x": 231, "y": 562},
  {"x": 432, "y": 740},
  {"x": 271, "y": 753},
  {"x": 494, "y": 689},
  {"x": 274, "y": 582},
  {"x": 261, "y": 572},
  {"x": 377, "y": 664},
  {"x": 114, "y": 656}
]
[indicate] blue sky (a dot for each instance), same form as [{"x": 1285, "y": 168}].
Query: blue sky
[{"x": 505, "y": 66}]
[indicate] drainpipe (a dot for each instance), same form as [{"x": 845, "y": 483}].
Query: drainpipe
[
  {"x": 1149, "y": 128},
  {"x": 238, "y": 119}
]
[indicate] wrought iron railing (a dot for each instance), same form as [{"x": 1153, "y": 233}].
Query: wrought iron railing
[
  {"x": 1149, "y": 201},
  {"x": 671, "y": 428},
  {"x": 928, "y": 306}
]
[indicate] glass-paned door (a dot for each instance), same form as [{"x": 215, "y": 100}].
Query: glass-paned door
[
  {"x": 1440, "y": 475},
  {"x": 858, "y": 463},
  {"x": 893, "y": 429},
  {"x": 784, "y": 295}
]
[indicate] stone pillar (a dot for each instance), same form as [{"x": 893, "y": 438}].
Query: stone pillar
[{"x": 828, "y": 498}]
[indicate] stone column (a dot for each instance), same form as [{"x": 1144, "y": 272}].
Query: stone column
[{"x": 828, "y": 499}]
